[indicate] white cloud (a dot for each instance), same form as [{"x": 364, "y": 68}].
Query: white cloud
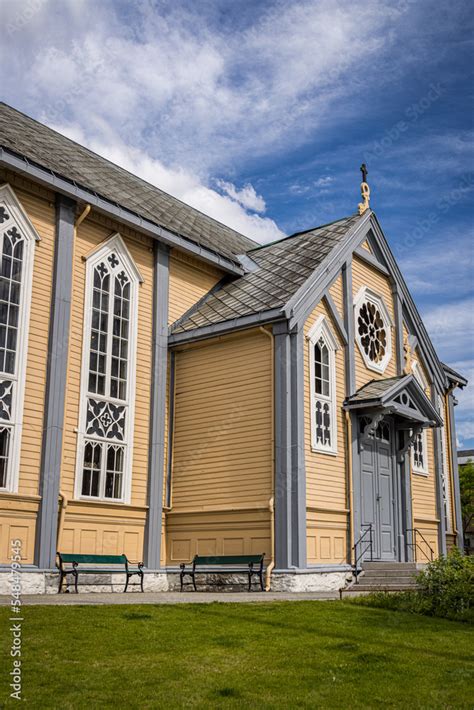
[
  {"x": 192, "y": 98},
  {"x": 188, "y": 187},
  {"x": 324, "y": 181},
  {"x": 247, "y": 196}
]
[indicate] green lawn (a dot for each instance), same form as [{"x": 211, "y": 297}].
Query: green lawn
[{"x": 267, "y": 655}]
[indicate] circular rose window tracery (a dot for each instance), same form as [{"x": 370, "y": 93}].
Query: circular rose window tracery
[{"x": 372, "y": 332}]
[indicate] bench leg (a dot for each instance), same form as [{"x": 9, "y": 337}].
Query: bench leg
[
  {"x": 126, "y": 583},
  {"x": 62, "y": 576},
  {"x": 194, "y": 581},
  {"x": 141, "y": 580},
  {"x": 76, "y": 576},
  {"x": 250, "y": 581},
  {"x": 261, "y": 580}
]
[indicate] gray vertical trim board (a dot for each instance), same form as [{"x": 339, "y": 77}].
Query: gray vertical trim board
[
  {"x": 156, "y": 457},
  {"x": 283, "y": 454},
  {"x": 349, "y": 326},
  {"x": 356, "y": 477},
  {"x": 454, "y": 462},
  {"x": 407, "y": 506},
  {"x": 298, "y": 471},
  {"x": 438, "y": 462},
  {"x": 398, "y": 309},
  {"x": 56, "y": 377},
  {"x": 171, "y": 406}
]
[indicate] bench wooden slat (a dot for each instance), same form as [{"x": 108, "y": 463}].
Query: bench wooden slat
[
  {"x": 215, "y": 560},
  {"x": 94, "y": 559}
]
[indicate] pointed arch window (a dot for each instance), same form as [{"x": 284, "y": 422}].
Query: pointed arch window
[
  {"x": 17, "y": 241},
  {"x": 322, "y": 351},
  {"x": 419, "y": 453},
  {"x": 108, "y": 376}
]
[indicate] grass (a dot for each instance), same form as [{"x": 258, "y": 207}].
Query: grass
[{"x": 267, "y": 655}]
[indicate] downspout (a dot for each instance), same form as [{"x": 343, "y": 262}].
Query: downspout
[
  {"x": 349, "y": 483},
  {"x": 271, "y": 502},
  {"x": 62, "y": 516},
  {"x": 82, "y": 216}
]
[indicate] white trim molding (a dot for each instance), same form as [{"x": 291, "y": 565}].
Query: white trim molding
[
  {"x": 323, "y": 402},
  {"x": 16, "y": 305},
  {"x": 375, "y": 310},
  {"x": 106, "y": 420},
  {"x": 420, "y": 467}
]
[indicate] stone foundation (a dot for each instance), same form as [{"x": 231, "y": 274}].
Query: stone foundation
[{"x": 46, "y": 582}]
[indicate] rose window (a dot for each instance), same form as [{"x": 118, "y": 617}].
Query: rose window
[{"x": 372, "y": 332}]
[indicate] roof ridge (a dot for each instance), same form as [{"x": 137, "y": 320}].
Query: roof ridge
[
  {"x": 298, "y": 234},
  {"x": 120, "y": 167}
]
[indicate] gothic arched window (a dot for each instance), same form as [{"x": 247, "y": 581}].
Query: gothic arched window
[
  {"x": 108, "y": 378},
  {"x": 322, "y": 350},
  {"x": 17, "y": 240},
  {"x": 419, "y": 458}
]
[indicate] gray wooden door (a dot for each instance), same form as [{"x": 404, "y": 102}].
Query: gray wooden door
[{"x": 377, "y": 491}]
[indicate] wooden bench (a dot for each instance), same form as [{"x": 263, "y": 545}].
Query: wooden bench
[
  {"x": 252, "y": 565},
  {"x": 96, "y": 564}
]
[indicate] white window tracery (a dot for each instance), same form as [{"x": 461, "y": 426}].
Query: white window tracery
[
  {"x": 108, "y": 378},
  {"x": 419, "y": 454},
  {"x": 373, "y": 329},
  {"x": 17, "y": 240},
  {"x": 322, "y": 351}
]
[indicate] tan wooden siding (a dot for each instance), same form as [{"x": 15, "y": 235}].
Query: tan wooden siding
[
  {"x": 85, "y": 521},
  {"x": 190, "y": 280},
  {"x": 365, "y": 245},
  {"x": 364, "y": 275},
  {"x": 326, "y": 478},
  {"x": 222, "y": 458},
  {"x": 18, "y": 512},
  {"x": 425, "y": 513}
]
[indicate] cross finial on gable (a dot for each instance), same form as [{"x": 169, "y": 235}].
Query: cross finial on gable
[{"x": 364, "y": 190}]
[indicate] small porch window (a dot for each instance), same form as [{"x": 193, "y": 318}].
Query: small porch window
[{"x": 322, "y": 351}]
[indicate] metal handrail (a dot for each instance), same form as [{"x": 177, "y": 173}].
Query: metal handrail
[
  {"x": 369, "y": 546},
  {"x": 415, "y": 546}
]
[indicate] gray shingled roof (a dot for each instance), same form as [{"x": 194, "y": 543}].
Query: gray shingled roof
[
  {"x": 281, "y": 268},
  {"x": 48, "y": 149},
  {"x": 375, "y": 389}
]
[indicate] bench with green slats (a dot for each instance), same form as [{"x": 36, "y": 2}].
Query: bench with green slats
[
  {"x": 252, "y": 565},
  {"x": 72, "y": 563}
]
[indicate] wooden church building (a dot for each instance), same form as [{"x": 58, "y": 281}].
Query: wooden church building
[{"x": 169, "y": 387}]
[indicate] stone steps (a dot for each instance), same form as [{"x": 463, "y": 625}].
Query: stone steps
[{"x": 383, "y": 577}]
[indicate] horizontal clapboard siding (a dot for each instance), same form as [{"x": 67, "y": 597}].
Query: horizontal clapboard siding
[{"x": 190, "y": 280}]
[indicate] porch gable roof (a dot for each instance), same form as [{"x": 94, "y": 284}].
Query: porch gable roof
[{"x": 400, "y": 395}]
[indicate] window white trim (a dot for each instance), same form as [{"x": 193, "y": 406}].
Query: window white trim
[
  {"x": 422, "y": 470},
  {"x": 116, "y": 245},
  {"x": 321, "y": 329},
  {"x": 366, "y": 295},
  {"x": 17, "y": 217}
]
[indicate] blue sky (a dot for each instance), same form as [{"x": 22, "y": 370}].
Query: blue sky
[{"x": 260, "y": 113}]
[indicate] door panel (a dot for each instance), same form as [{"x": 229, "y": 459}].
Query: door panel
[{"x": 377, "y": 492}]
